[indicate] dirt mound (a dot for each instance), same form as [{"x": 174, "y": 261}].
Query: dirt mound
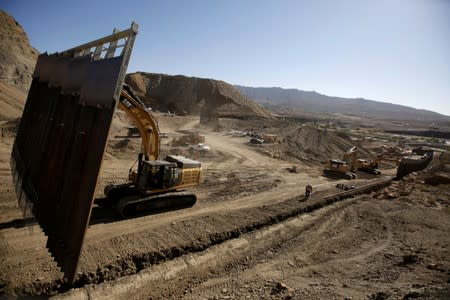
[
  {"x": 17, "y": 60},
  {"x": 17, "y": 57},
  {"x": 312, "y": 144},
  {"x": 191, "y": 95}
]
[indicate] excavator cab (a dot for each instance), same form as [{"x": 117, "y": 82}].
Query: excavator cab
[
  {"x": 157, "y": 174},
  {"x": 173, "y": 171}
]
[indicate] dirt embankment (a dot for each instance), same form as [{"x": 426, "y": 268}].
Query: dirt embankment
[
  {"x": 314, "y": 145},
  {"x": 17, "y": 60},
  {"x": 190, "y": 95},
  {"x": 17, "y": 57}
]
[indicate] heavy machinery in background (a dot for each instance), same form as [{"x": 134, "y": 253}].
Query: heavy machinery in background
[
  {"x": 344, "y": 168},
  {"x": 340, "y": 168},
  {"x": 372, "y": 166},
  {"x": 347, "y": 167},
  {"x": 155, "y": 185}
]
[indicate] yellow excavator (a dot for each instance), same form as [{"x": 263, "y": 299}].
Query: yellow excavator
[
  {"x": 346, "y": 168},
  {"x": 342, "y": 168},
  {"x": 157, "y": 184},
  {"x": 371, "y": 166}
]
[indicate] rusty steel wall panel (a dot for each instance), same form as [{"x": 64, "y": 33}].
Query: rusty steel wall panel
[{"x": 61, "y": 139}]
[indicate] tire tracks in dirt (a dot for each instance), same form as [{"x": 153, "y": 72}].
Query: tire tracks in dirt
[
  {"x": 278, "y": 235},
  {"x": 213, "y": 258},
  {"x": 183, "y": 242},
  {"x": 273, "y": 265}
]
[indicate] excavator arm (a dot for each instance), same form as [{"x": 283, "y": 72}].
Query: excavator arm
[
  {"x": 144, "y": 121},
  {"x": 351, "y": 157}
]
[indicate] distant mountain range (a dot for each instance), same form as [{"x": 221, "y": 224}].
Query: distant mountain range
[{"x": 276, "y": 98}]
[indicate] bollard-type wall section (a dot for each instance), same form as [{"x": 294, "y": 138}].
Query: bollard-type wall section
[{"x": 62, "y": 135}]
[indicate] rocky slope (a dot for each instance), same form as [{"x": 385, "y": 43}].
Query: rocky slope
[
  {"x": 278, "y": 98},
  {"x": 190, "y": 95},
  {"x": 314, "y": 145},
  {"x": 17, "y": 60},
  {"x": 17, "y": 56}
]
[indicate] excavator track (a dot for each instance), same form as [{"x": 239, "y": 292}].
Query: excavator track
[
  {"x": 346, "y": 175},
  {"x": 373, "y": 171},
  {"x": 135, "y": 205}
]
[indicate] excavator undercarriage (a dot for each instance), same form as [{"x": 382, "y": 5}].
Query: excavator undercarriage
[
  {"x": 339, "y": 169},
  {"x": 129, "y": 203},
  {"x": 156, "y": 187}
]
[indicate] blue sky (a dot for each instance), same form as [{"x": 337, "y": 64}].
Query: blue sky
[{"x": 394, "y": 51}]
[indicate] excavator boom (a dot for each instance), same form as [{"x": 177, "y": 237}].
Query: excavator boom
[{"x": 142, "y": 118}]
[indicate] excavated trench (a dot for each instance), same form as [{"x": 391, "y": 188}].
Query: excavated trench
[{"x": 246, "y": 220}]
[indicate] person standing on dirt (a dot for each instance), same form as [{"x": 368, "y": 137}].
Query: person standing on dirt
[{"x": 308, "y": 191}]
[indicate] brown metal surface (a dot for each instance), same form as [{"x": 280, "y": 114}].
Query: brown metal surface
[{"x": 61, "y": 139}]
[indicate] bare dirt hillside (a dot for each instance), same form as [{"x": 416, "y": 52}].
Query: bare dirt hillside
[
  {"x": 190, "y": 95},
  {"x": 313, "y": 144},
  {"x": 279, "y": 99},
  {"x": 17, "y": 56}
]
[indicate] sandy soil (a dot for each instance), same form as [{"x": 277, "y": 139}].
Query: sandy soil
[
  {"x": 250, "y": 235},
  {"x": 11, "y": 109}
]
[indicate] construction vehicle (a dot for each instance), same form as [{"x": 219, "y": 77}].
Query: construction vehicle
[
  {"x": 363, "y": 165},
  {"x": 343, "y": 168},
  {"x": 368, "y": 166},
  {"x": 155, "y": 185},
  {"x": 345, "y": 187},
  {"x": 346, "y": 168},
  {"x": 371, "y": 166},
  {"x": 339, "y": 168}
]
